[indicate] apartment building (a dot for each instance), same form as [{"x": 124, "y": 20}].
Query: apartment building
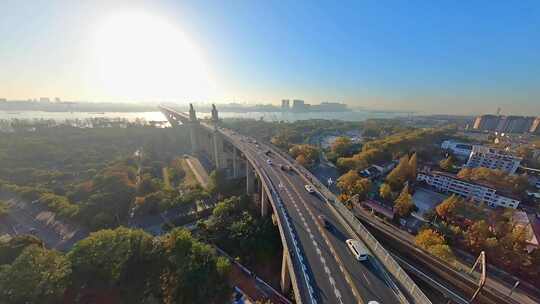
[
  {"x": 493, "y": 159},
  {"x": 459, "y": 149},
  {"x": 480, "y": 192}
]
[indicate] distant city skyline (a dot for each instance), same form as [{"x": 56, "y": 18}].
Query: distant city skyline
[{"x": 427, "y": 57}]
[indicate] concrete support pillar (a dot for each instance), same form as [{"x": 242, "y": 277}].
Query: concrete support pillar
[
  {"x": 285, "y": 275},
  {"x": 193, "y": 137},
  {"x": 250, "y": 179},
  {"x": 236, "y": 165},
  {"x": 264, "y": 203},
  {"x": 217, "y": 149}
]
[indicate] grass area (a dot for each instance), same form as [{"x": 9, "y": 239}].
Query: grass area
[
  {"x": 166, "y": 179},
  {"x": 189, "y": 180}
]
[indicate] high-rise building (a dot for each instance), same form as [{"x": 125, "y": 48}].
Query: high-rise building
[
  {"x": 514, "y": 124},
  {"x": 535, "y": 127},
  {"x": 285, "y": 105},
  {"x": 493, "y": 159},
  {"x": 486, "y": 123},
  {"x": 504, "y": 124},
  {"x": 298, "y": 105},
  {"x": 331, "y": 107}
]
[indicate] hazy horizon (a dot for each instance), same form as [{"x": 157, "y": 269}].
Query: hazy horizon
[{"x": 432, "y": 58}]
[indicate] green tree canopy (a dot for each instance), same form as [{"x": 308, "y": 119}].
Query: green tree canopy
[
  {"x": 189, "y": 264},
  {"x": 121, "y": 258},
  {"x": 37, "y": 275}
]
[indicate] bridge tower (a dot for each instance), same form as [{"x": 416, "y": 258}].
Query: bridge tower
[
  {"x": 217, "y": 141},
  {"x": 215, "y": 118},
  {"x": 193, "y": 127}
]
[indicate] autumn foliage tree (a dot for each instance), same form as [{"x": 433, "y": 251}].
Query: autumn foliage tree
[
  {"x": 385, "y": 191},
  {"x": 434, "y": 243},
  {"x": 447, "y": 209},
  {"x": 413, "y": 164},
  {"x": 306, "y": 155},
  {"x": 399, "y": 174},
  {"x": 404, "y": 205},
  {"x": 499, "y": 179},
  {"x": 351, "y": 184},
  {"x": 341, "y": 146},
  {"x": 447, "y": 164}
]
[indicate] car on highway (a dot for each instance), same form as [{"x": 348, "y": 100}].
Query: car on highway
[
  {"x": 359, "y": 251},
  {"x": 324, "y": 221},
  {"x": 269, "y": 161},
  {"x": 309, "y": 188},
  {"x": 285, "y": 167}
]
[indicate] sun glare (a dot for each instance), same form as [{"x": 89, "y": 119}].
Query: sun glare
[{"x": 145, "y": 57}]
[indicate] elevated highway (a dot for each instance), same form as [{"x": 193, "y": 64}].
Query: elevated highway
[{"x": 317, "y": 263}]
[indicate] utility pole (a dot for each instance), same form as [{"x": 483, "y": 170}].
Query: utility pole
[{"x": 482, "y": 261}]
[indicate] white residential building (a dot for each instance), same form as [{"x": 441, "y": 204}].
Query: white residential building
[
  {"x": 449, "y": 183},
  {"x": 493, "y": 159},
  {"x": 459, "y": 149}
]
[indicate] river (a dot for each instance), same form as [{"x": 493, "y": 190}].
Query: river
[{"x": 157, "y": 116}]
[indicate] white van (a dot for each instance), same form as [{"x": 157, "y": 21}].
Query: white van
[{"x": 358, "y": 249}]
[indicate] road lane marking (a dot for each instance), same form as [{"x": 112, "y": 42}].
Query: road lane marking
[{"x": 348, "y": 279}]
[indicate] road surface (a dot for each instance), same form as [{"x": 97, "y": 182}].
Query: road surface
[{"x": 338, "y": 276}]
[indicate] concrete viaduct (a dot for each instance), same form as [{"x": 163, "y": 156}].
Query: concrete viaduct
[{"x": 316, "y": 262}]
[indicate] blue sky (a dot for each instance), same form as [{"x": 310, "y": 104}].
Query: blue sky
[{"x": 461, "y": 57}]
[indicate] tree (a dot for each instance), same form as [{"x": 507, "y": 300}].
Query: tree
[
  {"x": 447, "y": 164},
  {"x": 403, "y": 204},
  {"x": 37, "y": 275},
  {"x": 443, "y": 252},
  {"x": 3, "y": 208},
  {"x": 399, "y": 174},
  {"x": 448, "y": 208},
  {"x": 218, "y": 182},
  {"x": 120, "y": 258},
  {"x": 477, "y": 235},
  {"x": 385, "y": 191},
  {"x": 341, "y": 146},
  {"x": 413, "y": 164},
  {"x": 12, "y": 248},
  {"x": 465, "y": 173},
  {"x": 351, "y": 183},
  {"x": 301, "y": 159},
  {"x": 308, "y": 154},
  {"x": 428, "y": 238},
  {"x": 499, "y": 179},
  {"x": 189, "y": 264}
]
